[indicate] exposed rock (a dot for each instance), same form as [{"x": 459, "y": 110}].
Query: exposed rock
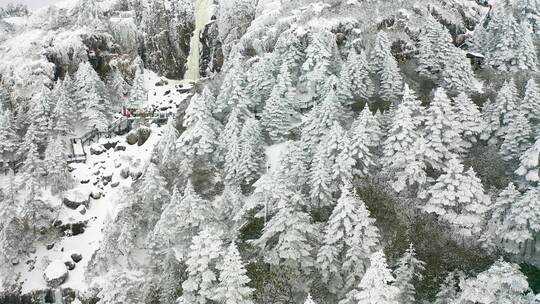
[
  {"x": 55, "y": 274},
  {"x": 107, "y": 177},
  {"x": 124, "y": 173},
  {"x": 132, "y": 137},
  {"x": 161, "y": 83},
  {"x": 76, "y": 257},
  {"x": 73, "y": 228},
  {"x": 212, "y": 57},
  {"x": 96, "y": 195},
  {"x": 135, "y": 174},
  {"x": 74, "y": 198},
  {"x": 85, "y": 181},
  {"x": 70, "y": 265},
  {"x": 115, "y": 184},
  {"x": 97, "y": 149},
  {"x": 81, "y": 209},
  {"x": 15, "y": 261},
  {"x": 110, "y": 144},
  {"x": 120, "y": 148},
  {"x": 49, "y": 246},
  {"x": 143, "y": 134}
]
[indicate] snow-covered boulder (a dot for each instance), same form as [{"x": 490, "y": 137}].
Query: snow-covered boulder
[
  {"x": 97, "y": 149},
  {"x": 76, "y": 257},
  {"x": 81, "y": 209},
  {"x": 55, "y": 274},
  {"x": 144, "y": 133},
  {"x": 110, "y": 144},
  {"x": 74, "y": 198},
  {"x": 132, "y": 137}
]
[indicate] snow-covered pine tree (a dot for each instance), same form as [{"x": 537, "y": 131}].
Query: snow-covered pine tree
[
  {"x": 205, "y": 253},
  {"x": 469, "y": 118},
  {"x": 39, "y": 114},
  {"x": 510, "y": 46},
  {"x": 252, "y": 151},
  {"x": 9, "y": 140},
  {"x": 380, "y": 52},
  {"x": 391, "y": 82},
  {"x": 458, "y": 199},
  {"x": 366, "y": 128},
  {"x": 520, "y": 222},
  {"x": 309, "y": 300},
  {"x": 354, "y": 79},
  {"x": 320, "y": 120},
  {"x": 376, "y": 284},
  {"x": 363, "y": 135},
  {"x": 433, "y": 41},
  {"x": 199, "y": 140},
  {"x": 530, "y": 104},
  {"x": 408, "y": 272},
  {"x": 457, "y": 75},
  {"x": 138, "y": 95},
  {"x": 232, "y": 287},
  {"x": 317, "y": 67},
  {"x": 529, "y": 164},
  {"x": 287, "y": 237},
  {"x": 502, "y": 282},
  {"x": 63, "y": 112},
  {"x": 181, "y": 219},
  {"x": 234, "y": 78},
  {"x": 517, "y": 137},
  {"x": 153, "y": 194},
  {"x": 279, "y": 113},
  {"x": 58, "y": 175},
  {"x": 442, "y": 131},
  {"x": 90, "y": 97},
  {"x": 403, "y": 151},
  {"x": 230, "y": 144},
  {"x": 448, "y": 290},
  {"x": 118, "y": 88},
  {"x": 350, "y": 237},
  {"x": 260, "y": 81},
  {"x": 529, "y": 10}
]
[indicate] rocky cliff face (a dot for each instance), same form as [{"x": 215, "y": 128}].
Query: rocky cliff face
[
  {"x": 166, "y": 28},
  {"x": 212, "y": 57}
]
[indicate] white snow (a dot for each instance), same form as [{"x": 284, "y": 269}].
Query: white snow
[
  {"x": 274, "y": 154},
  {"x": 55, "y": 270},
  {"x": 110, "y": 162}
]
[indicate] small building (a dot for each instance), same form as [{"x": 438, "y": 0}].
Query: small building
[{"x": 477, "y": 59}]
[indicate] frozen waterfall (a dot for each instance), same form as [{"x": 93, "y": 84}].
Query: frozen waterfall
[{"x": 201, "y": 19}]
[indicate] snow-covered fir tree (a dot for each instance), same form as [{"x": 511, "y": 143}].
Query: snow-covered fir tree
[
  {"x": 376, "y": 285},
  {"x": 232, "y": 279},
  {"x": 408, "y": 272}
]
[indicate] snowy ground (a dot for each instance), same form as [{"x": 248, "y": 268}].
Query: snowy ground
[{"x": 109, "y": 163}]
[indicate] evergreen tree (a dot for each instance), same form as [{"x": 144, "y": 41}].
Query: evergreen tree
[
  {"x": 530, "y": 104},
  {"x": 366, "y": 128},
  {"x": 205, "y": 253},
  {"x": 408, "y": 271},
  {"x": 169, "y": 280},
  {"x": 279, "y": 115},
  {"x": 260, "y": 82},
  {"x": 232, "y": 287},
  {"x": 442, "y": 131},
  {"x": 391, "y": 81},
  {"x": 510, "y": 46},
  {"x": 457, "y": 75},
  {"x": 138, "y": 96},
  {"x": 403, "y": 151},
  {"x": 287, "y": 236},
  {"x": 153, "y": 195},
  {"x": 63, "y": 112},
  {"x": 350, "y": 237},
  {"x": 458, "y": 199},
  {"x": 529, "y": 163},
  {"x": 319, "y": 56},
  {"x": 520, "y": 222},
  {"x": 58, "y": 175},
  {"x": 433, "y": 40},
  {"x": 39, "y": 114},
  {"x": 411, "y": 101},
  {"x": 501, "y": 283},
  {"x": 182, "y": 218},
  {"x": 200, "y": 137},
  {"x": 9, "y": 140},
  {"x": 448, "y": 292},
  {"x": 309, "y": 300},
  {"x": 469, "y": 119},
  {"x": 516, "y": 139},
  {"x": 252, "y": 151},
  {"x": 89, "y": 96},
  {"x": 355, "y": 81},
  {"x": 230, "y": 143},
  {"x": 380, "y": 52},
  {"x": 375, "y": 286},
  {"x": 364, "y": 135},
  {"x": 119, "y": 89}
]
